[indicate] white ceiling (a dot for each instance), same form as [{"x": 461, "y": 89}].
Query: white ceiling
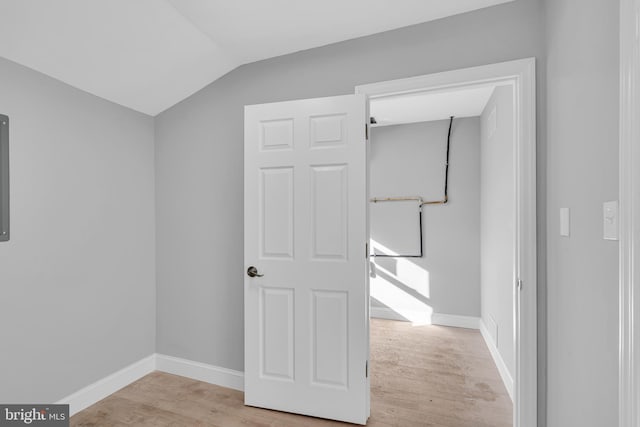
[
  {"x": 430, "y": 106},
  {"x": 150, "y": 54}
]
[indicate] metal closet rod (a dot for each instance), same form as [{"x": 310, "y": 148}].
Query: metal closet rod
[{"x": 409, "y": 198}]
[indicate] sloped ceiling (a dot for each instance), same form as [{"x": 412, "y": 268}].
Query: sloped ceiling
[
  {"x": 430, "y": 106},
  {"x": 150, "y": 54}
]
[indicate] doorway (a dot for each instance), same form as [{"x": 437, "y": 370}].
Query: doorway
[
  {"x": 404, "y": 287},
  {"x": 442, "y": 237}
]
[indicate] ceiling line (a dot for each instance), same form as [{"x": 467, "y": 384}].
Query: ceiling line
[{"x": 232, "y": 59}]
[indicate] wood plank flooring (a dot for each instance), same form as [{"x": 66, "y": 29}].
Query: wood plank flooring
[{"x": 431, "y": 376}]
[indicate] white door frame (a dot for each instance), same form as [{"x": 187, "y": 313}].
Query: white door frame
[
  {"x": 629, "y": 272},
  {"x": 521, "y": 75}
]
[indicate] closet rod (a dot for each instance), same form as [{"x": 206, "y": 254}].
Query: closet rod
[
  {"x": 397, "y": 199},
  {"x": 406, "y": 199}
]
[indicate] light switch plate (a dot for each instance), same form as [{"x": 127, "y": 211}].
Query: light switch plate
[
  {"x": 610, "y": 220},
  {"x": 565, "y": 222}
]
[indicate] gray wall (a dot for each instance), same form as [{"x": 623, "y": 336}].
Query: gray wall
[
  {"x": 78, "y": 272},
  {"x": 409, "y": 160},
  {"x": 77, "y": 277},
  {"x": 497, "y": 221},
  {"x": 199, "y": 158},
  {"x": 582, "y": 42}
]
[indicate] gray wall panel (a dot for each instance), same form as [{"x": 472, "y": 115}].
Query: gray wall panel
[{"x": 77, "y": 276}]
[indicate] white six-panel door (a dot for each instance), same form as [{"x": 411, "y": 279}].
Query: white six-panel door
[{"x": 305, "y": 224}]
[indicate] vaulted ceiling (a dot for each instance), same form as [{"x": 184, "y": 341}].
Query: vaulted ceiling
[
  {"x": 429, "y": 106},
  {"x": 150, "y": 54}
]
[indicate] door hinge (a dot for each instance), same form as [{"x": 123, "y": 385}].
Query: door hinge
[
  {"x": 366, "y": 369},
  {"x": 519, "y": 284},
  {"x": 366, "y": 250},
  {"x": 366, "y": 131}
]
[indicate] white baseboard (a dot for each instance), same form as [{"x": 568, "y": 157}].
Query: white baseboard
[
  {"x": 102, "y": 388},
  {"x": 428, "y": 319},
  {"x": 200, "y": 371},
  {"x": 497, "y": 358},
  {"x": 455, "y": 321},
  {"x": 97, "y": 391},
  {"x": 229, "y": 378}
]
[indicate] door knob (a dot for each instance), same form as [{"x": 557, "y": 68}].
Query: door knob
[{"x": 253, "y": 272}]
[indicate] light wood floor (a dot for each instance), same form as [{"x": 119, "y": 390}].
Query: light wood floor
[{"x": 420, "y": 376}]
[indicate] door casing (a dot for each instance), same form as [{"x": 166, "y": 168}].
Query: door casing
[{"x": 629, "y": 245}]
